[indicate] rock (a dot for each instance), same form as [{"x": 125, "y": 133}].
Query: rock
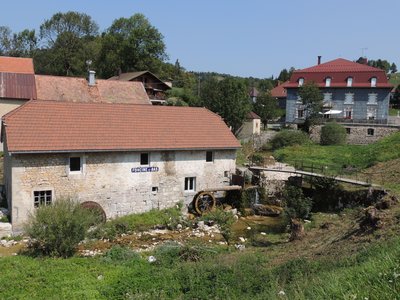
[
  {"x": 236, "y": 217},
  {"x": 179, "y": 227},
  {"x": 267, "y": 210},
  {"x": 240, "y": 247},
  {"x": 200, "y": 224},
  {"x": 263, "y": 233},
  {"x": 234, "y": 211},
  {"x": 100, "y": 277},
  {"x": 227, "y": 207},
  {"x": 326, "y": 225},
  {"x": 248, "y": 228},
  {"x": 242, "y": 239},
  {"x": 371, "y": 219},
  {"x": 5, "y": 229},
  {"x": 151, "y": 259}
]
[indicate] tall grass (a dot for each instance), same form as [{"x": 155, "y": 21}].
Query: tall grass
[{"x": 374, "y": 273}]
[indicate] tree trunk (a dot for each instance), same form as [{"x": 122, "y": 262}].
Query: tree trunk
[{"x": 297, "y": 230}]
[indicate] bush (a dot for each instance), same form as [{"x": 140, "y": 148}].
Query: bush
[
  {"x": 333, "y": 134},
  {"x": 57, "y": 229},
  {"x": 224, "y": 220},
  {"x": 289, "y": 138},
  {"x": 297, "y": 206}
]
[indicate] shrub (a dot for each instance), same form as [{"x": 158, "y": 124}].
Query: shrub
[
  {"x": 297, "y": 206},
  {"x": 57, "y": 229},
  {"x": 289, "y": 138},
  {"x": 333, "y": 134},
  {"x": 224, "y": 220}
]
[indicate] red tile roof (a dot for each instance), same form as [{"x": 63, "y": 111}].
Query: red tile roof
[
  {"x": 339, "y": 70},
  {"x": 48, "y": 126},
  {"x": 76, "y": 89},
  {"x": 280, "y": 90},
  {"x": 16, "y": 65}
]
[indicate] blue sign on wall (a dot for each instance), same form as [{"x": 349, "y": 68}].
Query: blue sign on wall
[{"x": 144, "y": 169}]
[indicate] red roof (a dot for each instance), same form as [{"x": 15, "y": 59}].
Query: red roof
[
  {"x": 58, "y": 126},
  {"x": 17, "y": 86},
  {"x": 77, "y": 89},
  {"x": 280, "y": 90},
  {"x": 252, "y": 115},
  {"x": 339, "y": 70},
  {"x": 16, "y": 65}
]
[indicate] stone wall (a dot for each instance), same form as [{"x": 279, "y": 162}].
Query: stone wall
[
  {"x": 107, "y": 179},
  {"x": 359, "y": 134}
]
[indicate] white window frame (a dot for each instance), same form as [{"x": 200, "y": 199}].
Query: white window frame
[
  {"x": 349, "y": 81},
  {"x": 38, "y": 203},
  {"x": 148, "y": 159},
  {"x": 373, "y": 81},
  {"x": 301, "y": 81},
  {"x": 82, "y": 163},
  {"x": 371, "y": 113},
  {"x": 190, "y": 184},
  {"x": 328, "y": 81}
]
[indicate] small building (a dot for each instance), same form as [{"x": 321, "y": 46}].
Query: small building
[
  {"x": 251, "y": 126},
  {"x": 126, "y": 158},
  {"x": 279, "y": 93},
  {"x": 352, "y": 92},
  {"x": 156, "y": 88}
]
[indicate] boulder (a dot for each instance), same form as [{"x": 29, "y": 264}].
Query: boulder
[
  {"x": 297, "y": 230},
  {"x": 267, "y": 210}
]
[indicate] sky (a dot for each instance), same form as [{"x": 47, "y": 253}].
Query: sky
[{"x": 256, "y": 38}]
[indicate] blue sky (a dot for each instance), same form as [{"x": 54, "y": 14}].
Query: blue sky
[{"x": 246, "y": 38}]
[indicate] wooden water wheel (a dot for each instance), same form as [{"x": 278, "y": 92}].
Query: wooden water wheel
[{"x": 204, "y": 202}]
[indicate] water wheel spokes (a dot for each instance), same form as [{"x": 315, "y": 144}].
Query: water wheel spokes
[{"x": 204, "y": 202}]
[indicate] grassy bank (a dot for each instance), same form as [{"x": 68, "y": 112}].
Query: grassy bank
[
  {"x": 373, "y": 274},
  {"x": 360, "y": 156}
]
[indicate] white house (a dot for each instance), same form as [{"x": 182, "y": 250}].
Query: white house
[{"x": 126, "y": 158}]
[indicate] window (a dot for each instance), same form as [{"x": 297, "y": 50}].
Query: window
[
  {"x": 209, "y": 156},
  {"x": 144, "y": 159},
  {"x": 348, "y": 113},
  {"x": 75, "y": 164},
  {"x": 371, "y": 113},
  {"x": 328, "y": 81},
  {"x": 373, "y": 82},
  {"x": 300, "y": 113},
  {"x": 370, "y": 131},
  {"x": 327, "y": 97},
  {"x": 301, "y": 81},
  {"x": 372, "y": 98},
  {"x": 348, "y": 130},
  {"x": 349, "y": 98},
  {"x": 190, "y": 184},
  {"x": 42, "y": 198},
  {"x": 154, "y": 190},
  {"x": 349, "y": 81}
]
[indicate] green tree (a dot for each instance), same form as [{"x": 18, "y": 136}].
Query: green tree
[
  {"x": 5, "y": 40},
  {"x": 229, "y": 98},
  {"x": 396, "y": 98},
  {"x": 393, "y": 68},
  {"x": 266, "y": 107},
  {"x": 312, "y": 100},
  {"x": 333, "y": 134},
  {"x": 70, "y": 40},
  {"x": 131, "y": 44}
]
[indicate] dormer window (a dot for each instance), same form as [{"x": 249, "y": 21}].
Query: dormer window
[
  {"x": 349, "y": 81},
  {"x": 373, "y": 82},
  {"x": 328, "y": 81},
  {"x": 301, "y": 81}
]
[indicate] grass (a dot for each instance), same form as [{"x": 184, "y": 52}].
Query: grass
[
  {"x": 372, "y": 273},
  {"x": 140, "y": 222},
  {"x": 359, "y": 156}
]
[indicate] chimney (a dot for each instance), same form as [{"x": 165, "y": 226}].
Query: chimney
[
  {"x": 92, "y": 78},
  {"x": 319, "y": 59}
]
